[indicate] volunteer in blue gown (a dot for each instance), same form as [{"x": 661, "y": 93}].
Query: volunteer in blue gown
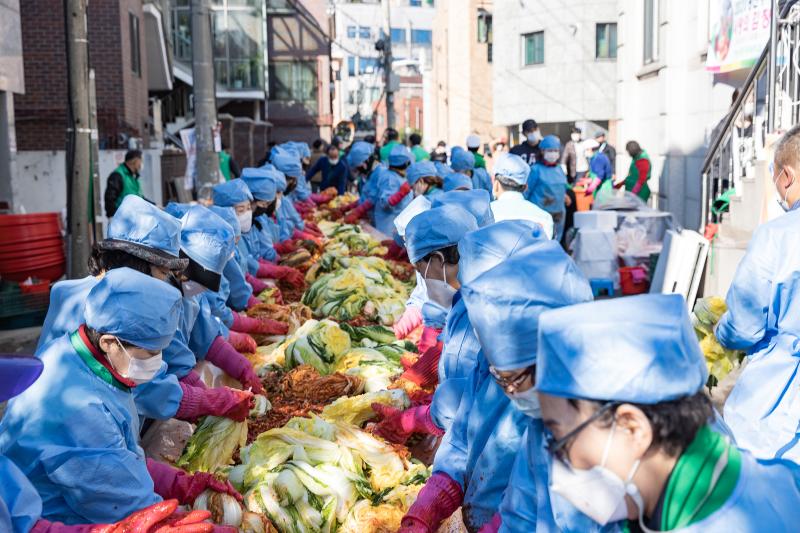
[
  {"x": 424, "y": 180},
  {"x": 363, "y": 163},
  {"x": 74, "y": 433},
  {"x": 763, "y": 319},
  {"x": 547, "y": 184},
  {"x": 393, "y": 189},
  {"x": 456, "y": 181},
  {"x": 503, "y": 306},
  {"x": 638, "y": 447}
]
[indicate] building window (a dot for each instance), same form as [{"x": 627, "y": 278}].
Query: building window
[
  {"x": 650, "y": 48},
  {"x": 606, "y": 41},
  {"x": 484, "y": 26},
  {"x": 421, "y": 36},
  {"x": 415, "y": 3},
  {"x": 351, "y": 66},
  {"x": 136, "y": 55},
  {"x": 273, "y": 6},
  {"x": 398, "y": 35},
  {"x": 534, "y": 48},
  {"x": 364, "y": 32},
  {"x": 294, "y": 81},
  {"x": 351, "y": 32},
  {"x": 368, "y": 65}
]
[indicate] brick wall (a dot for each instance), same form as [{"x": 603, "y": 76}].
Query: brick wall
[{"x": 121, "y": 97}]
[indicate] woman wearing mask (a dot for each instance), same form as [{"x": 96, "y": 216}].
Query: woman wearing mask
[
  {"x": 424, "y": 180},
  {"x": 393, "y": 189},
  {"x": 600, "y": 171},
  {"x": 639, "y": 447},
  {"x": 361, "y": 159},
  {"x": 76, "y": 439},
  {"x": 472, "y": 467},
  {"x": 547, "y": 184},
  {"x": 431, "y": 240}
]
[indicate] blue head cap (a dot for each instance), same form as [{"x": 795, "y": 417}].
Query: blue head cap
[
  {"x": 487, "y": 247},
  {"x": 504, "y": 303},
  {"x": 288, "y": 163},
  {"x": 145, "y": 231},
  {"x": 422, "y": 169},
  {"x": 232, "y": 192},
  {"x": 639, "y": 349},
  {"x": 512, "y": 167},
  {"x": 476, "y": 201},
  {"x": 134, "y": 307},
  {"x": 17, "y": 373},
  {"x": 442, "y": 170},
  {"x": 461, "y": 160},
  {"x": 550, "y": 142},
  {"x": 207, "y": 239},
  {"x": 228, "y": 214},
  {"x": 260, "y": 182},
  {"x": 399, "y": 156},
  {"x": 457, "y": 180},
  {"x": 177, "y": 209},
  {"x": 435, "y": 229},
  {"x": 300, "y": 148},
  {"x": 359, "y": 152}
]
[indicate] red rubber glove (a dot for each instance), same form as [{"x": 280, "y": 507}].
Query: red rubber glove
[
  {"x": 234, "y": 364},
  {"x": 170, "y": 482},
  {"x": 219, "y": 401},
  {"x": 425, "y": 372},
  {"x": 285, "y": 247},
  {"x": 306, "y": 236},
  {"x": 358, "y": 213},
  {"x": 257, "y": 284},
  {"x": 242, "y": 342},
  {"x": 312, "y": 226},
  {"x": 401, "y": 193},
  {"x": 290, "y": 275},
  {"x": 252, "y": 301},
  {"x": 193, "y": 379},
  {"x": 395, "y": 251},
  {"x": 320, "y": 198},
  {"x": 397, "y": 426},
  {"x": 264, "y": 326},
  {"x": 438, "y": 499},
  {"x": 428, "y": 338},
  {"x": 493, "y": 525},
  {"x": 411, "y": 319},
  {"x": 302, "y": 208}
]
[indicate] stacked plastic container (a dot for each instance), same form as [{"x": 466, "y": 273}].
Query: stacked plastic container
[
  {"x": 595, "y": 246},
  {"x": 31, "y": 246}
]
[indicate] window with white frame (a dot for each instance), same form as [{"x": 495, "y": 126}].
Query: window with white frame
[{"x": 651, "y": 25}]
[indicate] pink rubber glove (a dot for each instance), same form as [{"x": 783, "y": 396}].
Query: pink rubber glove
[
  {"x": 411, "y": 319},
  {"x": 252, "y": 301},
  {"x": 242, "y": 342},
  {"x": 592, "y": 186},
  {"x": 285, "y": 247},
  {"x": 401, "y": 193},
  {"x": 358, "y": 213},
  {"x": 319, "y": 198},
  {"x": 170, "y": 482},
  {"x": 290, "y": 275},
  {"x": 438, "y": 499},
  {"x": 234, "y": 364},
  {"x": 219, "y": 401},
  {"x": 397, "y": 426},
  {"x": 193, "y": 379},
  {"x": 425, "y": 372},
  {"x": 313, "y": 228},
  {"x": 257, "y": 284},
  {"x": 264, "y": 326},
  {"x": 428, "y": 338},
  {"x": 493, "y": 525}
]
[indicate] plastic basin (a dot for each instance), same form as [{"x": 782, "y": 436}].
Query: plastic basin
[
  {"x": 51, "y": 271},
  {"x": 32, "y": 218}
]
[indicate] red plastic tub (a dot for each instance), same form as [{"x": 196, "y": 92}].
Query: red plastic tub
[
  {"x": 38, "y": 285},
  {"x": 23, "y": 253},
  {"x": 33, "y": 218},
  {"x": 52, "y": 271},
  {"x": 25, "y": 233},
  {"x": 30, "y": 262},
  {"x": 633, "y": 280}
]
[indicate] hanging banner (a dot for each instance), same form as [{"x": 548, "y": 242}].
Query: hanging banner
[{"x": 739, "y": 31}]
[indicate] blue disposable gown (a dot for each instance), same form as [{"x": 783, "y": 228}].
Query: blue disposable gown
[
  {"x": 482, "y": 180},
  {"x": 65, "y": 313},
  {"x": 289, "y": 219},
  {"x": 262, "y": 224},
  {"x": 763, "y": 319},
  {"x": 388, "y": 184},
  {"x": 479, "y": 449},
  {"x": 547, "y": 186},
  {"x": 219, "y": 308},
  {"x": 20, "y": 504},
  {"x": 76, "y": 440},
  {"x": 240, "y": 290},
  {"x": 303, "y": 190},
  {"x": 251, "y": 248}
]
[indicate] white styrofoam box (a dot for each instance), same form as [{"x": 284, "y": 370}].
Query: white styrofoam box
[
  {"x": 603, "y": 220},
  {"x": 595, "y": 245},
  {"x": 599, "y": 269}
]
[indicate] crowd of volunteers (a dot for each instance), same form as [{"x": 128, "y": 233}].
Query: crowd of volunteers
[{"x": 555, "y": 412}]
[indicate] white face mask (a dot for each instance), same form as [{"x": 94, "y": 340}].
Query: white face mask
[
  {"x": 333, "y": 161},
  {"x": 245, "y": 220},
  {"x": 534, "y": 136},
  {"x": 551, "y": 156},
  {"x": 598, "y": 492},
  {"x": 439, "y": 291},
  {"x": 783, "y": 201},
  {"x": 141, "y": 370},
  {"x": 191, "y": 288},
  {"x": 575, "y": 137},
  {"x": 527, "y": 402}
]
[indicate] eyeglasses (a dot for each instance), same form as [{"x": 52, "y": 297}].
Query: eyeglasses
[
  {"x": 511, "y": 384},
  {"x": 558, "y": 448}
]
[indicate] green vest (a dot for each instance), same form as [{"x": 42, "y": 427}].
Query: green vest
[
  {"x": 633, "y": 177},
  {"x": 480, "y": 162},
  {"x": 130, "y": 183},
  {"x": 225, "y": 165}
]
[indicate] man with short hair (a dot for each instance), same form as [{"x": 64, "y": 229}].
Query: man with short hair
[
  {"x": 124, "y": 181},
  {"x": 510, "y": 182},
  {"x": 528, "y": 149},
  {"x": 474, "y": 145},
  {"x": 439, "y": 154},
  {"x": 417, "y": 151},
  {"x": 390, "y": 140}
]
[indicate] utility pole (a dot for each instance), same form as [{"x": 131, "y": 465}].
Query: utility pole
[
  {"x": 205, "y": 100},
  {"x": 96, "y": 217},
  {"x": 79, "y": 147},
  {"x": 387, "y": 64}
]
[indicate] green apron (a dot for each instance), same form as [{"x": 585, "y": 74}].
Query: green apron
[
  {"x": 130, "y": 183},
  {"x": 633, "y": 177},
  {"x": 225, "y": 165}
]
